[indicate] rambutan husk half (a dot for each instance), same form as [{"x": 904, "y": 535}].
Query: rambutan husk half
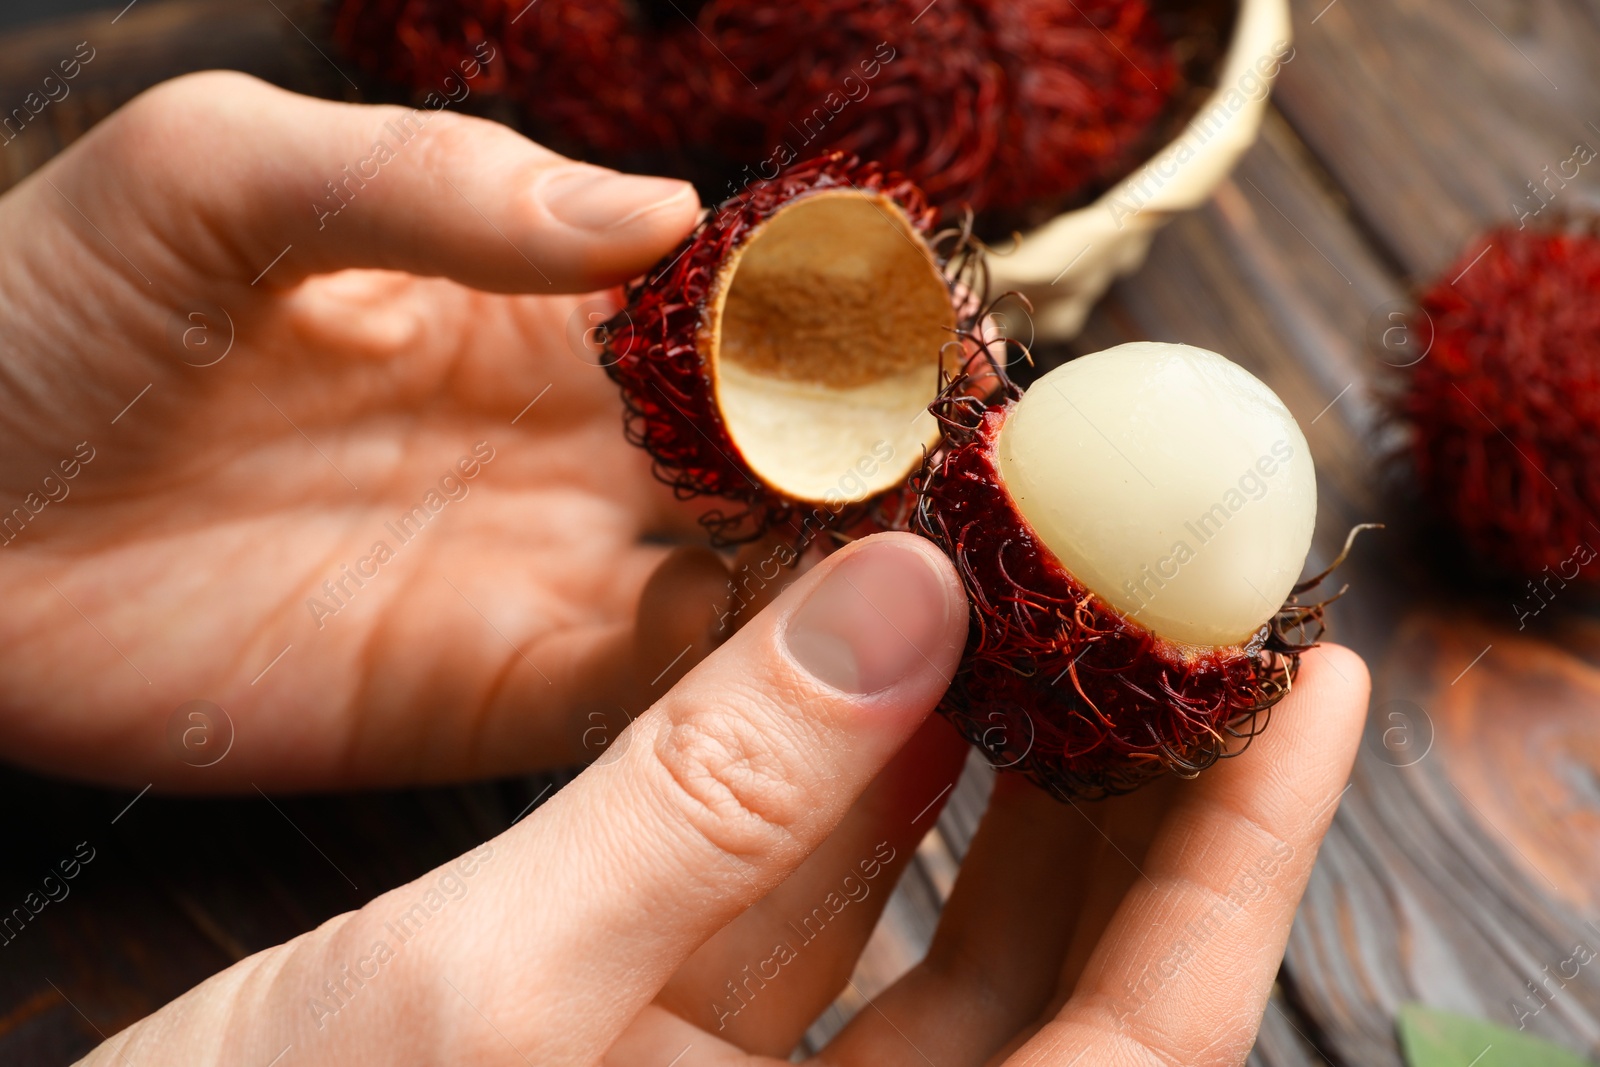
[
  {"x": 784, "y": 356},
  {"x": 1055, "y": 683}
]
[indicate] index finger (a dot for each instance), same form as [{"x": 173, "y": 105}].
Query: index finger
[
  {"x": 1183, "y": 971},
  {"x": 262, "y": 186}
]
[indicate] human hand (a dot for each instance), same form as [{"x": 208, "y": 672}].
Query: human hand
[
  {"x": 701, "y": 897},
  {"x": 222, "y": 393}
]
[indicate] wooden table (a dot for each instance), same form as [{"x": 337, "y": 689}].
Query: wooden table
[{"x": 1465, "y": 858}]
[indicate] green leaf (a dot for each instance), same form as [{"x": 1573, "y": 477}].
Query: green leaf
[{"x": 1432, "y": 1038}]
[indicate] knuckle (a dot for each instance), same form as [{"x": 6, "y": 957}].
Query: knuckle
[
  {"x": 188, "y": 98},
  {"x": 448, "y": 138},
  {"x": 734, "y": 783},
  {"x": 164, "y": 126}
]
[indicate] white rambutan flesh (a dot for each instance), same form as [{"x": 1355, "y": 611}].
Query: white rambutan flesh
[{"x": 1171, "y": 482}]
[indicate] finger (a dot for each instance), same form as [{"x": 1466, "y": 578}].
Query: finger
[
  {"x": 1126, "y": 826},
  {"x": 229, "y": 173},
  {"x": 724, "y": 788},
  {"x": 762, "y": 980},
  {"x": 997, "y": 953},
  {"x": 1183, "y": 972}
]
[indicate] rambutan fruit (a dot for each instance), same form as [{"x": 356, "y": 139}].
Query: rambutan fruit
[
  {"x": 1130, "y": 532},
  {"x": 980, "y": 102},
  {"x": 983, "y": 104},
  {"x": 584, "y": 75},
  {"x": 1504, "y": 407},
  {"x": 783, "y": 358}
]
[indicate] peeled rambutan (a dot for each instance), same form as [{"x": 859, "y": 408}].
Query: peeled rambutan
[
  {"x": 1504, "y": 407},
  {"x": 783, "y": 358},
  {"x": 1130, "y": 531},
  {"x": 980, "y": 102}
]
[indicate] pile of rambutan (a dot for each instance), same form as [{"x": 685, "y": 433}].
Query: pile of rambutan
[
  {"x": 1504, "y": 403},
  {"x": 997, "y": 106}
]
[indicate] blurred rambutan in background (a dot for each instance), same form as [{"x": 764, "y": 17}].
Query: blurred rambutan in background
[
  {"x": 583, "y": 73},
  {"x": 983, "y": 103},
  {"x": 993, "y": 103},
  {"x": 1504, "y": 407}
]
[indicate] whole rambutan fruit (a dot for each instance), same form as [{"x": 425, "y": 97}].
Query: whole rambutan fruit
[
  {"x": 584, "y": 74},
  {"x": 1130, "y": 532},
  {"x": 1504, "y": 407},
  {"x": 1089, "y": 81},
  {"x": 783, "y": 358},
  {"x": 980, "y": 102},
  {"x": 421, "y": 43}
]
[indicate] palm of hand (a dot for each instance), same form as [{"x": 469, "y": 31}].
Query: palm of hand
[{"x": 468, "y": 621}]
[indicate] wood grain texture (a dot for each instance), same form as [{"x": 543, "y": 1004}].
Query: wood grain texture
[
  {"x": 1433, "y": 116},
  {"x": 176, "y": 889},
  {"x": 1464, "y": 866},
  {"x": 1460, "y": 878}
]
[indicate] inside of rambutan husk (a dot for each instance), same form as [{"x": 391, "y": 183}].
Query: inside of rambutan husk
[{"x": 824, "y": 342}]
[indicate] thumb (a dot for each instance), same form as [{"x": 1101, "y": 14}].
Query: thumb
[
  {"x": 728, "y": 783},
  {"x": 230, "y": 172}
]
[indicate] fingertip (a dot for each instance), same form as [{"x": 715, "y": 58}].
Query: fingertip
[
  {"x": 1335, "y": 683},
  {"x": 618, "y": 224},
  {"x": 1301, "y": 758},
  {"x": 1343, "y": 664},
  {"x": 311, "y": 187},
  {"x": 818, "y": 692}
]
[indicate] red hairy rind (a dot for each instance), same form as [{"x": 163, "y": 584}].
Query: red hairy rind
[
  {"x": 580, "y": 70},
  {"x": 654, "y": 352},
  {"x": 1055, "y": 683},
  {"x": 923, "y": 97},
  {"x": 1089, "y": 82},
  {"x": 988, "y": 103},
  {"x": 983, "y": 103},
  {"x": 419, "y": 43},
  {"x": 1505, "y": 405}
]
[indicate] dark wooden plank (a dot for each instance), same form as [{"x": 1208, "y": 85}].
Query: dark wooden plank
[
  {"x": 1444, "y": 881},
  {"x": 1461, "y": 877},
  {"x": 178, "y": 889},
  {"x": 1433, "y": 885},
  {"x": 1283, "y": 1040},
  {"x": 1433, "y": 117}
]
